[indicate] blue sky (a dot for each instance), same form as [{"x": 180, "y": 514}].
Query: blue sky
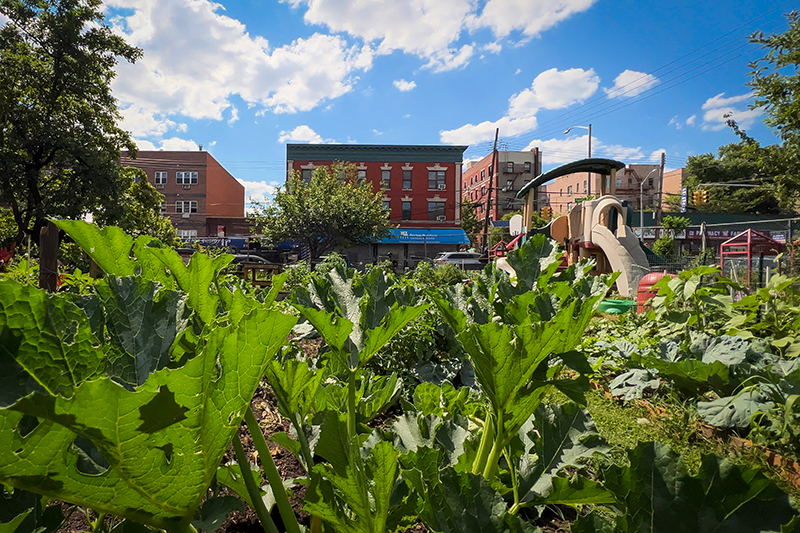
[{"x": 243, "y": 77}]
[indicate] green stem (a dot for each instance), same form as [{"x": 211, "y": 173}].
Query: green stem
[
  {"x": 271, "y": 471},
  {"x": 305, "y": 448},
  {"x": 490, "y": 470},
  {"x": 252, "y": 488},
  {"x": 484, "y": 447},
  {"x": 351, "y": 405},
  {"x": 514, "y": 480}
]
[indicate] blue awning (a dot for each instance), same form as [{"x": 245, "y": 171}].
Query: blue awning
[{"x": 426, "y": 236}]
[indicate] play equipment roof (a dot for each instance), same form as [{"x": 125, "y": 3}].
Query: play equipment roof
[{"x": 595, "y": 165}]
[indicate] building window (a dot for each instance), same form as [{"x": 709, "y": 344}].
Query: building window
[
  {"x": 362, "y": 175},
  {"x": 483, "y": 190},
  {"x": 406, "y": 179},
  {"x": 160, "y": 178},
  {"x": 619, "y": 183},
  {"x": 387, "y": 205},
  {"x": 187, "y": 233},
  {"x": 162, "y": 208},
  {"x": 436, "y": 180},
  {"x": 436, "y": 211},
  {"x": 305, "y": 174},
  {"x": 509, "y": 184},
  {"x": 561, "y": 192},
  {"x": 569, "y": 190},
  {"x": 526, "y": 167},
  {"x": 510, "y": 167},
  {"x": 585, "y": 185},
  {"x": 186, "y": 178},
  {"x": 406, "y": 210},
  {"x": 490, "y": 171},
  {"x": 630, "y": 182},
  {"x": 186, "y": 206},
  {"x": 483, "y": 174},
  {"x": 386, "y": 179},
  {"x": 650, "y": 183}
]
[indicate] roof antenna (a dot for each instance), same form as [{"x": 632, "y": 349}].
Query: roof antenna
[{"x": 201, "y": 147}]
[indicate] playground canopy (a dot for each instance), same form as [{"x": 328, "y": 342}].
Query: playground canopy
[
  {"x": 751, "y": 255},
  {"x": 595, "y": 165}
]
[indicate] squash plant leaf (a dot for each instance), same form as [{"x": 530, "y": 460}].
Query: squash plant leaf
[
  {"x": 161, "y": 442},
  {"x": 109, "y": 247},
  {"x": 656, "y": 494}
]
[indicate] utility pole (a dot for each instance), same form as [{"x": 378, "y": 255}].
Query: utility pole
[
  {"x": 489, "y": 197},
  {"x": 661, "y": 189}
]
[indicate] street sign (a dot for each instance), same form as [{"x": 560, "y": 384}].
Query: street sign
[{"x": 684, "y": 199}]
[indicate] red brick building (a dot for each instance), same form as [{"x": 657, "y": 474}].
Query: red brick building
[
  {"x": 421, "y": 188},
  {"x": 201, "y": 198},
  {"x": 515, "y": 169}
]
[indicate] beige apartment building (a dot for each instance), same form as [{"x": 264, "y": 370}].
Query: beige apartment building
[
  {"x": 562, "y": 193},
  {"x": 514, "y": 169}
]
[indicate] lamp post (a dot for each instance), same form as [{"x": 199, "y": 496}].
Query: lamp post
[
  {"x": 589, "y": 127},
  {"x": 641, "y": 204}
]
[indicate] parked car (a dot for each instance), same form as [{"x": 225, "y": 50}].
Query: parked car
[{"x": 465, "y": 260}]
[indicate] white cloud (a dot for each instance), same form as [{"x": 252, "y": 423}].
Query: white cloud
[
  {"x": 492, "y": 48},
  {"x": 630, "y": 83},
  {"x": 517, "y": 71},
  {"x": 194, "y": 72},
  {"x": 531, "y": 17},
  {"x": 431, "y": 29},
  {"x": 234, "y": 115},
  {"x": 720, "y": 101},
  {"x": 552, "y": 89},
  {"x": 718, "y": 110},
  {"x": 571, "y": 149},
  {"x": 259, "y": 191},
  {"x": 171, "y": 144},
  {"x": 690, "y": 120},
  {"x": 675, "y": 122},
  {"x": 656, "y": 155},
  {"x": 376, "y": 132},
  {"x": 403, "y": 85},
  {"x": 142, "y": 123},
  {"x": 302, "y": 134},
  {"x": 407, "y": 115}
]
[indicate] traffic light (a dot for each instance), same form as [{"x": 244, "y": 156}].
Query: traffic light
[
  {"x": 696, "y": 200},
  {"x": 703, "y": 197},
  {"x": 546, "y": 212}
]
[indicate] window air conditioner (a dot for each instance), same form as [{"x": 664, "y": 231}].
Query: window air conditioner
[
  {"x": 159, "y": 185},
  {"x": 441, "y": 218},
  {"x": 187, "y": 186},
  {"x": 185, "y": 215},
  {"x": 442, "y": 187}
]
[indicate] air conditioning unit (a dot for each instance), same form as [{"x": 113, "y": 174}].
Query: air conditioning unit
[
  {"x": 442, "y": 187},
  {"x": 185, "y": 215},
  {"x": 441, "y": 218},
  {"x": 187, "y": 186},
  {"x": 159, "y": 185}
]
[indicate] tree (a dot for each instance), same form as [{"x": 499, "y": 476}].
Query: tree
[
  {"x": 470, "y": 222},
  {"x": 332, "y": 210},
  {"x": 139, "y": 212},
  {"x": 59, "y": 139}
]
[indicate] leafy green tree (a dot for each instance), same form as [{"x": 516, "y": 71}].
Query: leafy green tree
[
  {"x": 331, "y": 211},
  {"x": 470, "y": 222},
  {"x": 139, "y": 211},
  {"x": 675, "y": 224},
  {"x": 59, "y": 139}
]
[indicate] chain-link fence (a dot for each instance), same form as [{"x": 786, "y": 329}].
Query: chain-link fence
[{"x": 701, "y": 245}]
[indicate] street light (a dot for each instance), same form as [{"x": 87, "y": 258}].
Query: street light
[
  {"x": 589, "y": 127},
  {"x": 641, "y": 202}
]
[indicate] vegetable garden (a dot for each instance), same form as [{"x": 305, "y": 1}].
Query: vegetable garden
[{"x": 492, "y": 405}]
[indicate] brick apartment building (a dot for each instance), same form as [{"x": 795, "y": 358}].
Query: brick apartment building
[
  {"x": 202, "y": 199},
  {"x": 421, "y": 187},
  {"x": 561, "y": 194},
  {"x": 515, "y": 169}
]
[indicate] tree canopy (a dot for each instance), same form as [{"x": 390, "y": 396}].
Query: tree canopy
[
  {"x": 332, "y": 210},
  {"x": 59, "y": 138}
]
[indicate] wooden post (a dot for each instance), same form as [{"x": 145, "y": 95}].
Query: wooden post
[
  {"x": 488, "y": 205},
  {"x": 48, "y": 257}
]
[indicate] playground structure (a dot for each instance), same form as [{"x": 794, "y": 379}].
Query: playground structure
[
  {"x": 595, "y": 229},
  {"x": 750, "y": 258}
]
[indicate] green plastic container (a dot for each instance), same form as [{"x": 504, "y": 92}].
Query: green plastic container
[{"x": 616, "y": 307}]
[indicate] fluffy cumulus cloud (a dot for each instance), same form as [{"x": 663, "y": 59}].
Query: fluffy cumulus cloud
[
  {"x": 403, "y": 85},
  {"x": 433, "y": 29},
  {"x": 258, "y": 191},
  {"x": 690, "y": 120},
  {"x": 552, "y": 89},
  {"x": 719, "y": 109},
  {"x": 194, "y": 73},
  {"x": 566, "y": 150},
  {"x": 630, "y": 83},
  {"x": 172, "y": 144},
  {"x": 302, "y": 134}
]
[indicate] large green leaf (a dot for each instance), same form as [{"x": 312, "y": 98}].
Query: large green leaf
[
  {"x": 558, "y": 436},
  {"x": 45, "y": 343},
  {"x": 455, "y": 502},
  {"x": 109, "y": 247},
  {"x": 738, "y": 410},
  {"x": 656, "y": 494},
  {"x": 148, "y": 454}
]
